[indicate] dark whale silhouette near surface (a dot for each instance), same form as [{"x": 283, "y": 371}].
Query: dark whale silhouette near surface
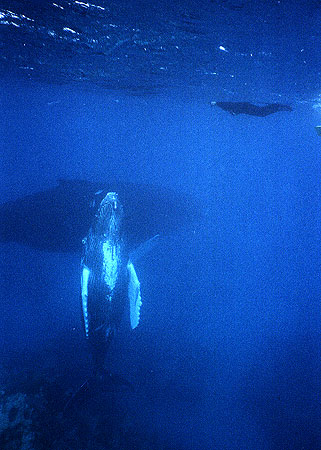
[
  {"x": 59, "y": 218},
  {"x": 250, "y": 109}
]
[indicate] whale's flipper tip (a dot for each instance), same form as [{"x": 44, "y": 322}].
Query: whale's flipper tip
[{"x": 318, "y": 129}]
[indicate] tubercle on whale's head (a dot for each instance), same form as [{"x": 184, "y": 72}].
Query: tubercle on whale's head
[{"x": 108, "y": 204}]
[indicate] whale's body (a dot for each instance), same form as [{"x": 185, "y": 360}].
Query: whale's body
[{"x": 108, "y": 278}]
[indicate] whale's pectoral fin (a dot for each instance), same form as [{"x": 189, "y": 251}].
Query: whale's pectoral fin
[
  {"x": 144, "y": 248},
  {"x": 84, "y": 296},
  {"x": 135, "y": 299}
]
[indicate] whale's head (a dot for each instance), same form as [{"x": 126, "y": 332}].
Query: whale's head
[{"x": 109, "y": 217}]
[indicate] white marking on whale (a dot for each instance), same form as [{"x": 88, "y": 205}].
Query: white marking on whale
[
  {"x": 134, "y": 295},
  {"x": 84, "y": 296},
  {"x": 111, "y": 264}
]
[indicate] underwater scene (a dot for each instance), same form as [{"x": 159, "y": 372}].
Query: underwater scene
[{"x": 160, "y": 225}]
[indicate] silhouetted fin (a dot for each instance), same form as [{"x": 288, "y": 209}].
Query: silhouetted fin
[{"x": 236, "y": 108}]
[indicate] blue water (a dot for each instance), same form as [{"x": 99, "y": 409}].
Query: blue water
[{"x": 227, "y": 354}]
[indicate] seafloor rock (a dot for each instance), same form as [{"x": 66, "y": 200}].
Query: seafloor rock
[
  {"x": 99, "y": 418},
  {"x": 15, "y": 422}
]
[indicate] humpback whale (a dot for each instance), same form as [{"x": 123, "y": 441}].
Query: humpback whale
[
  {"x": 57, "y": 219},
  {"x": 108, "y": 278},
  {"x": 236, "y": 108}
]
